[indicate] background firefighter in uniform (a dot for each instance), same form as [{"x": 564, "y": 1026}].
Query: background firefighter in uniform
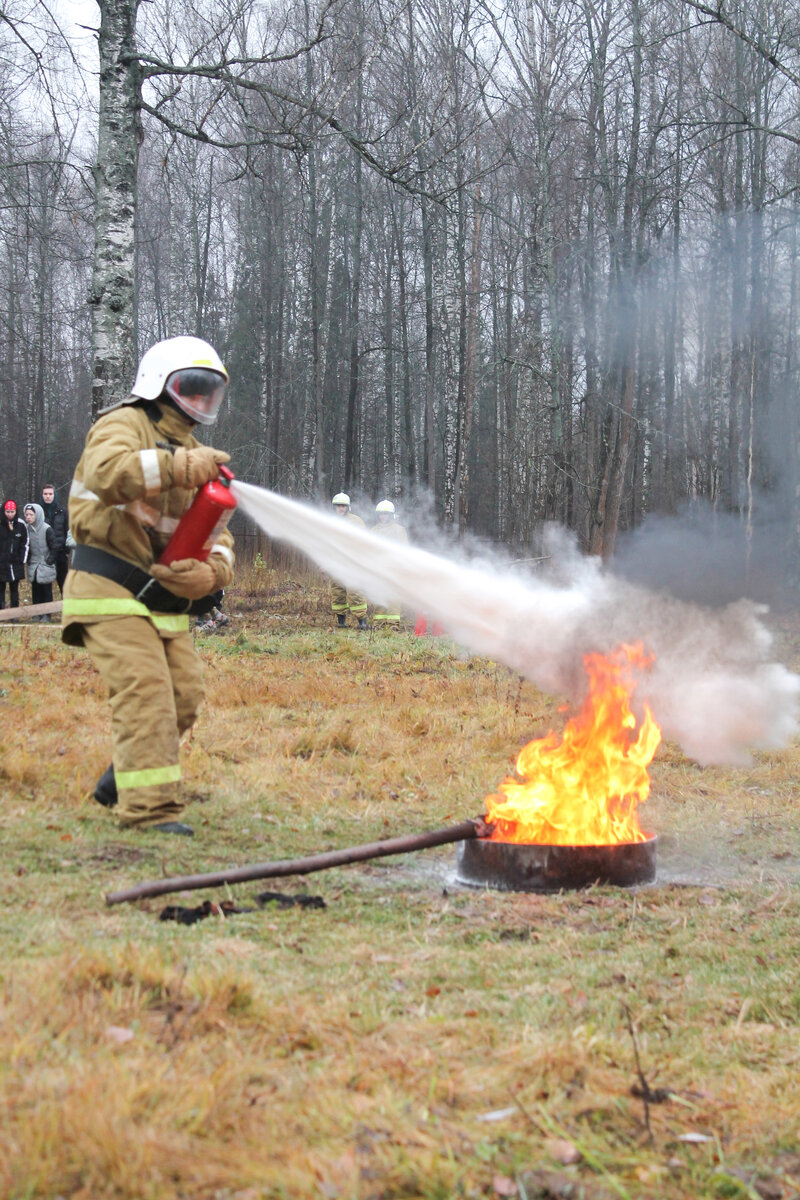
[
  {"x": 388, "y": 527},
  {"x": 344, "y": 600},
  {"x": 138, "y": 473}
]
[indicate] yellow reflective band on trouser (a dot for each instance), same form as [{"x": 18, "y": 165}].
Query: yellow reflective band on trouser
[
  {"x": 116, "y": 606},
  {"x": 386, "y": 617},
  {"x": 149, "y": 777}
]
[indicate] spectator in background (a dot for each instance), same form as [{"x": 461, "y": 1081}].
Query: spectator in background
[
  {"x": 58, "y": 520},
  {"x": 13, "y": 553},
  {"x": 41, "y": 558},
  {"x": 216, "y": 620}
]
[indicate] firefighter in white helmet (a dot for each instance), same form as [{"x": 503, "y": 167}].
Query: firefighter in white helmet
[
  {"x": 138, "y": 473},
  {"x": 345, "y": 600},
  {"x": 388, "y": 527}
]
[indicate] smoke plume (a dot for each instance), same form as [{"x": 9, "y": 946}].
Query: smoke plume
[{"x": 712, "y": 687}]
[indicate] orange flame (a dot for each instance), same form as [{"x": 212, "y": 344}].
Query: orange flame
[{"x": 583, "y": 789}]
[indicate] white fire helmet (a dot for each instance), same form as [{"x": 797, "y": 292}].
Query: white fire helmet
[
  {"x": 190, "y": 371},
  {"x": 341, "y": 498},
  {"x": 385, "y": 506}
]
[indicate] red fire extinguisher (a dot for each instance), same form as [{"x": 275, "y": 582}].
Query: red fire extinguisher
[{"x": 203, "y": 521}]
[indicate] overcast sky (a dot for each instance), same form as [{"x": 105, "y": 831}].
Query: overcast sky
[{"x": 73, "y": 16}]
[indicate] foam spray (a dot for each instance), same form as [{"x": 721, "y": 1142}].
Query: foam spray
[{"x": 712, "y": 687}]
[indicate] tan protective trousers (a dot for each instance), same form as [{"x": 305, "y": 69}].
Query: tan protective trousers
[
  {"x": 345, "y": 600},
  {"x": 155, "y": 688}
]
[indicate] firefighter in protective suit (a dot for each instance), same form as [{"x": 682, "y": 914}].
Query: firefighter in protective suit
[
  {"x": 344, "y": 600},
  {"x": 389, "y": 528},
  {"x": 139, "y": 472}
]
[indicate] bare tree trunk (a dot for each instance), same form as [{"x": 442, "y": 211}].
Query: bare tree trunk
[
  {"x": 473, "y": 303},
  {"x": 429, "y": 456},
  {"x": 392, "y": 470},
  {"x": 119, "y": 136},
  {"x": 622, "y": 373},
  {"x": 352, "y": 432},
  {"x": 456, "y": 406},
  {"x": 201, "y": 248},
  {"x": 409, "y": 463}
]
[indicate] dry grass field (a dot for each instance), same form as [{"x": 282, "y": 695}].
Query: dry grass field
[{"x": 412, "y": 1038}]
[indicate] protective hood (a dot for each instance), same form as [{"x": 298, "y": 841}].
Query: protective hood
[{"x": 39, "y": 520}]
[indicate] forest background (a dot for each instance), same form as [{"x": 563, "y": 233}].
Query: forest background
[{"x": 534, "y": 261}]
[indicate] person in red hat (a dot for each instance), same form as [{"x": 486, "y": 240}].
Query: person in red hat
[{"x": 13, "y": 553}]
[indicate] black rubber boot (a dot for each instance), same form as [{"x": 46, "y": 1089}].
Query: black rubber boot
[
  {"x": 341, "y": 620},
  {"x": 171, "y": 827},
  {"x": 362, "y": 623},
  {"x": 105, "y": 791}
]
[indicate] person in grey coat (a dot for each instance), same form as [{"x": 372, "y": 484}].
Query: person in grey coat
[{"x": 41, "y": 557}]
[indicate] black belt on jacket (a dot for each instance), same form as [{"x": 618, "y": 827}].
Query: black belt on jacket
[{"x": 145, "y": 588}]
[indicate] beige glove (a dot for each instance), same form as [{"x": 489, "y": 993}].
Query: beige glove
[
  {"x": 192, "y": 468},
  {"x": 187, "y": 577}
]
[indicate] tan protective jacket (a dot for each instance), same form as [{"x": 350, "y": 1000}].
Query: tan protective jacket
[
  {"x": 122, "y": 500},
  {"x": 391, "y": 531}
]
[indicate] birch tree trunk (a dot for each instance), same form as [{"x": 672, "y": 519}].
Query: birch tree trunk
[{"x": 119, "y": 136}]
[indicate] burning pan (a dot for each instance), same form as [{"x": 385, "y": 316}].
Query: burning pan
[{"x": 524, "y": 867}]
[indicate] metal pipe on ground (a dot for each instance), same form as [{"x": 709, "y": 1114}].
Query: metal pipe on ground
[
  {"x": 475, "y": 828},
  {"x": 25, "y": 611}
]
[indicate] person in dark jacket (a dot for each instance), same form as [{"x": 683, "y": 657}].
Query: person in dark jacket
[
  {"x": 58, "y": 520},
  {"x": 13, "y": 553},
  {"x": 41, "y": 557}
]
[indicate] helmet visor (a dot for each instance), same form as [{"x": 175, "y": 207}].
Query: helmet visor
[{"x": 197, "y": 392}]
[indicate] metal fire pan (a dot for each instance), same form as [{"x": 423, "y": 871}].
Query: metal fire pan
[{"x": 524, "y": 867}]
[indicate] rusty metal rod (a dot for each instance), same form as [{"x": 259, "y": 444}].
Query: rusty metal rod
[{"x": 304, "y": 866}]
